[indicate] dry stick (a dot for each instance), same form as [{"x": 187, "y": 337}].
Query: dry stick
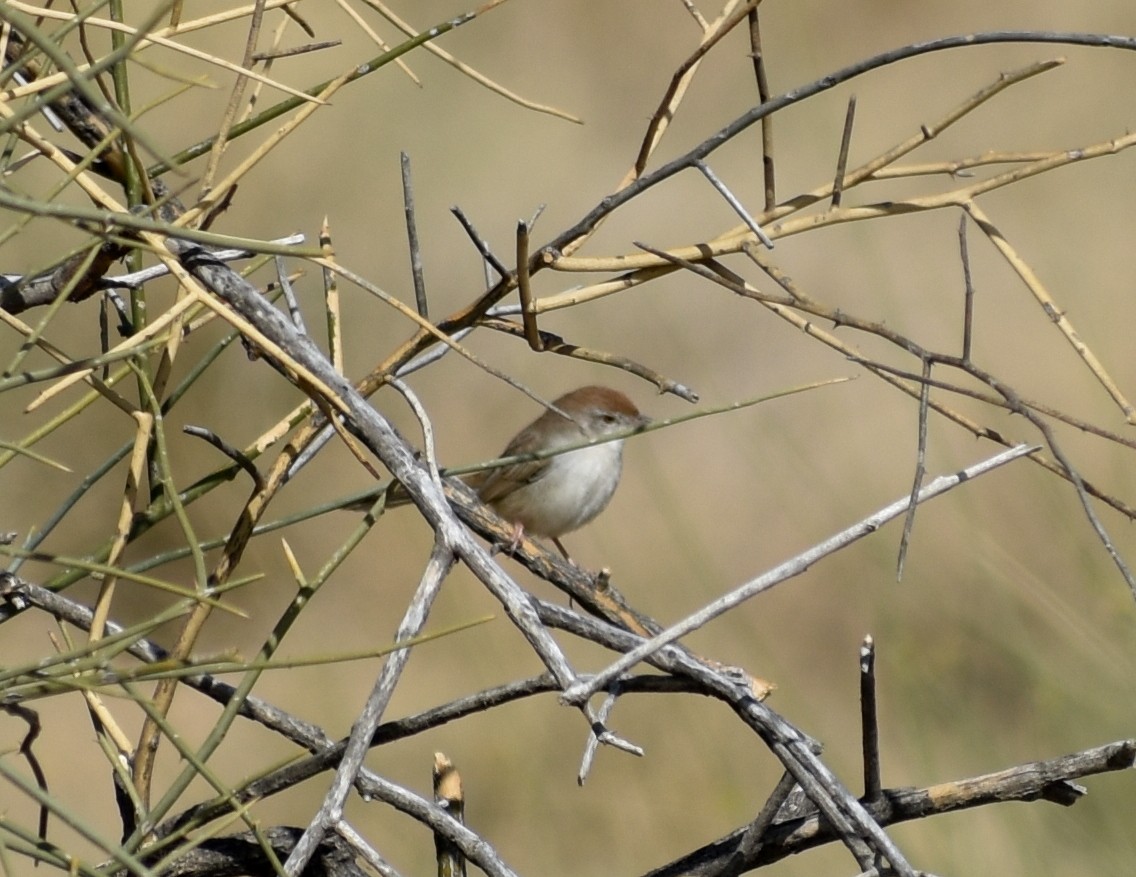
[
  {"x": 1076, "y": 480},
  {"x": 752, "y": 840},
  {"x": 379, "y": 376},
  {"x": 792, "y": 747},
  {"x": 448, "y": 794},
  {"x": 296, "y": 17},
  {"x": 479, "y": 242},
  {"x": 143, "y": 434},
  {"x": 579, "y": 295},
  {"x": 327, "y": 756},
  {"x": 676, "y": 90},
  {"x": 412, "y": 238},
  {"x": 481, "y": 79},
  {"x": 959, "y": 167},
  {"x": 937, "y": 201},
  {"x": 309, "y": 736},
  {"x": 296, "y": 50},
  {"x": 968, "y": 296},
  {"x": 429, "y": 451},
  {"x": 1061, "y": 466},
  {"x": 842, "y": 157},
  {"x": 567, "y": 243},
  {"x": 235, "y": 97},
  {"x": 138, "y": 278},
  {"x": 788, "y": 743},
  {"x": 695, "y": 14},
  {"x": 898, "y": 378},
  {"x": 269, "y": 62},
  {"x": 364, "y": 26},
  {"x": 555, "y": 254},
  {"x": 140, "y": 37},
  {"x": 331, "y": 810},
  {"x": 360, "y": 845},
  {"x": 920, "y": 466},
  {"x": 588, "y": 222},
  {"x": 767, "y": 165},
  {"x": 350, "y": 442},
  {"x": 733, "y": 201},
  {"x": 235, "y": 454},
  {"x": 332, "y": 309},
  {"x": 1042, "y": 780},
  {"x": 524, "y": 288},
  {"x": 1052, "y": 311},
  {"x": 293, "y": 304},
  {"x": 592, "y": 745},
  {"x": 583, "y": 689},
  {"x": 728, "y": 242},
  {"x": 31, "y": 718},
  {"x": 552, "y": 343},
  {"x": 869, "y": 721}
]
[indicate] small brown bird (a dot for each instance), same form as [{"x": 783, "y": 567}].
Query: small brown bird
[
  {"x": 553, "y": 495},
  {"x": 556, "y": 495}
]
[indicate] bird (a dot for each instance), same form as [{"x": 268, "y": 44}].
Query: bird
[{"x": 552, "y": 496}]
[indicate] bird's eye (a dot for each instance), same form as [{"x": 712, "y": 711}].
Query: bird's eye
[{"x": 608, "y": 417}]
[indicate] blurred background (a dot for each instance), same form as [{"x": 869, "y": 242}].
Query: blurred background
[{"x": 1010, "y": 637}]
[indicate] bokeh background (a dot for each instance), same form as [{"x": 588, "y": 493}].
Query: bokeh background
[{"x": 1010, "y": 637}]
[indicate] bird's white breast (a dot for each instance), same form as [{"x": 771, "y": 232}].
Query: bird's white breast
[{"x": 574, "y": 489}]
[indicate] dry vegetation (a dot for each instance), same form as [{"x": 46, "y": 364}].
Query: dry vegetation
[{"x": 740, "y": 213}]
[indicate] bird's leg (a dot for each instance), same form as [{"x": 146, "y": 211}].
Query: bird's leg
[{"x": 514, "y": 542}]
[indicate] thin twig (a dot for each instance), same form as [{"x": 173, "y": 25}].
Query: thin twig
[
  {"x": 235, "y": 454},
  {"x": 920, "y": 467},
  {"x": 359, "y": 844},
  {"x": 769, "y": 171},
  {"x": 467, "y": 70},
  {"x": 437, "y": 567},
  {"x": 294, "y": 309},
  {"x": 842, "y": 157},
  {"x": 552, "y": 343},
  {"x": 412, "y": 238},
  {"x": 728, "y": 241},
  {"x": 1050, "y": 780},
  {"x": 968, "y": 294},
  {"x": 479, "y": 242},
  {"x": 296, "y": 50},
  {"x": 333, "y": 310},
  {"x": 732, "y": 200},
  {"x": 751, "y": 841},
  {"x": 1049, "y": 306},
  {"x": 592, "y": 744},
  {"x": 584, "y": 689},
  {"x": 449, "y": 795},
  {"x": 524, "y": 288},
  {"x": 899, "y": 378},
  {"x": 869, "y": 721}
]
